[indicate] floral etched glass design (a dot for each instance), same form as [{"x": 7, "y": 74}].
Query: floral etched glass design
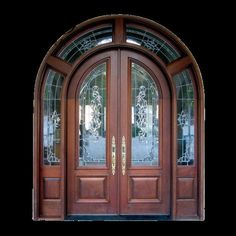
[
  {"x": 52, "y": 118},
  {"x": 185, "y": 118},
  {"x": 92, "y": 118},
  {"x": 144, "y": 118},
  {"x": 82, "y": 43},
  {"x": 158, "y": 45}
]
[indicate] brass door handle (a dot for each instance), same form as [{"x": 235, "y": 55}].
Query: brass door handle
[
  {"x": 123, "y": 156},
  {"x": 113, "y": 156}
]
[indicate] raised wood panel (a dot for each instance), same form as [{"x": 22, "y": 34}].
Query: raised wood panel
[
  {"x": 50, "y": 208},
  {"x": 51, "y": 188},
  {"x": 144, "y": 188},
  {"x": 185, "y": 188},
  {"x": 186, "y": 208},
  {"x": 91, "y": 188}
]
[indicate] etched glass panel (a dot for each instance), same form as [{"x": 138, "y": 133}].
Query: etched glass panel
[
  {"x": 159, "y": 46},
  {"x": 83, "y": 43},
  {"x": 92, "y": 118},
  {"x": 52, "y": 118},
  {"x": 144, "y": 118},
  {"x": 185, "y": 118}
]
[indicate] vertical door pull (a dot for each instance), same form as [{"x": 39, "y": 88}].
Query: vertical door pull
[
  {"x": 113, "y": 156},
  {"x": 123, "y": 151}
]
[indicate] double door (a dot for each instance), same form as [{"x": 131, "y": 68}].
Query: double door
[{"x": 118, "y": 136}]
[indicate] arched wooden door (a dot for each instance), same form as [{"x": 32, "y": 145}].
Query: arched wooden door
[
  {"x": 118, "y": 124},
  {"x": 118, "y": 136}
]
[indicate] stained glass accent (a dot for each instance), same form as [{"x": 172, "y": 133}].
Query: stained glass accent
[
  {"x": 92, "y": 118},
  {"x": 83, "y": 43},
  {"x": 144, "y": 118},
  {"x": 185, "y": 118},
  {"x": 159, "y": 46},
  {"x": 52, "y": 118}
]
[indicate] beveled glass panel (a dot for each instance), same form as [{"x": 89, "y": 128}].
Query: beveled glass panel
[
  {"x": 185, "y": 118},
  {"x": 52, "y": 118},
  {"x": 92, "y": 118},
  {"x": 83, "y": 43},
  {"x": 159, "y": 46},
  {"x": 144, "y": 118}
]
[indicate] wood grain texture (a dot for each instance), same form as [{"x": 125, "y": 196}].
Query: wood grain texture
[
  {"x": 92, "y": 188},
  {"x": 185, "y": 188},
  {"x": 180, "y": 190},
  {"x": 51, "y": 188}
]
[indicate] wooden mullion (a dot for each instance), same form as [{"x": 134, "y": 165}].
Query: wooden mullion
[
  {"x": 59, "y": 65},
  {"x": 119, "y": 30},
  {"x": 178, "y": 65}
]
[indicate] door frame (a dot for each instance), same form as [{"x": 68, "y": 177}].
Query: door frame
[{"x": 169, "y": 70}]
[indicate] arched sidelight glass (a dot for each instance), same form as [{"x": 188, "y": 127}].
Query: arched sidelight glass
[
  {"x": 52, "y": 118},
  {"x": 145, "y": 118},
  {"x": 92, "y": 118},
  {"x": 185, "y": 118},
  {"x": 82, "y": 43},
  {"x": 159, "y": 46}
]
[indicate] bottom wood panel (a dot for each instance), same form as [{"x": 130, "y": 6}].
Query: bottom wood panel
[
  {"x": 143, "y": 188},
  {"x": 92, "y": 189},
  {"x": 186, "y": 208},
  {"x": 50, "y": 208}
]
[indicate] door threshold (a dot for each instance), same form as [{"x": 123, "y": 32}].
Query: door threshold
[{"x": 117, "y": 218}]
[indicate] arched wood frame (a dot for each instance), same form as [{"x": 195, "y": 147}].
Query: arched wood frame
[{"x": 66, "y": 69}]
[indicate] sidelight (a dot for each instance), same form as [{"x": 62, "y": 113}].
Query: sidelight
[
  {"x": 52, "y": 118},
  {"x": 185, "y": 118}
]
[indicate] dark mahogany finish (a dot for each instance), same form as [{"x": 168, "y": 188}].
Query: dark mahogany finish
[{"x": 177, "y": 191}]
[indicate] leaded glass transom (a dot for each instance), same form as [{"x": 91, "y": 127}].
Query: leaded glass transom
[
  {"x": 185, "y": 118},
  {"x": 144, "y": 118},
  {"x": 159, "y": 46},
  {"x": 92, "y": 118},
  {"x": 83, "y": 43},
  {"x": 52, "y": 118}
]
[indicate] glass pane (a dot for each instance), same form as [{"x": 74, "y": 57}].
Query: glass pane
[
  {"x": 83, "y": 43},
  {"x": 52, "y": 118},
  {"x": 145, "y": 118},
  {"x": 185, "y": 118},
  {"x": 155, "y": 44},
  {"x": 92, "y": 118}
]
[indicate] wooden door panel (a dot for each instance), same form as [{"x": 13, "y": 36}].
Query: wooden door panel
[
  {"x": 91, "y": 186},
  {"x": 145, "y": 187},
  {"x": 51, "y": 188},
  {"x": 93, "y": 189},
  {"x": 186, "y": 191}
]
